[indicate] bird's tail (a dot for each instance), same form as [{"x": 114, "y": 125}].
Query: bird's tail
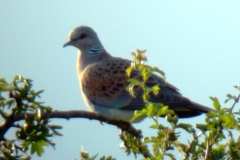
[{"x": 192, "y": 110}]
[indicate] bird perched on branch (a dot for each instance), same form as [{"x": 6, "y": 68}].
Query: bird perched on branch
[{"x": 103, "y": 82}]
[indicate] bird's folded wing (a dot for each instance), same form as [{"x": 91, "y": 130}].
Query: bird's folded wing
[{"x": 105, "y": 82}]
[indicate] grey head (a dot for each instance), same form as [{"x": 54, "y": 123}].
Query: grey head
[{"x": 86, "y": 40}]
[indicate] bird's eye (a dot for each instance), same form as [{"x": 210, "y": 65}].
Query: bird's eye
[{"x": 82, "y": 36}]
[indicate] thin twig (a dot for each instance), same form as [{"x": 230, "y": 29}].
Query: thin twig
[
  {"x": 207, "y": 151},
  {"x": 212, "y": 142},
  {"x": 195, "y": 137},
  {"x": 17, "y": 126},
  {"x": 235, "y": 101},
  {"x": 188, "y": 151}
]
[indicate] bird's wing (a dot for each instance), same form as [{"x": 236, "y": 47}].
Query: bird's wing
[{"x": 105, "y": 82}]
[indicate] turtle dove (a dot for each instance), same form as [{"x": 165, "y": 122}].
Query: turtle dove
[{"x": 103, "y": 82}]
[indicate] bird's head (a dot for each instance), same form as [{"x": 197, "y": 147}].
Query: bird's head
[{"x": 85, "y": 38}]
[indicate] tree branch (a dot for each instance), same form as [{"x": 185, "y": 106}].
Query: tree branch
[
  {"x": 6, "y": 125},
  {"x": 125, "y": 126}
]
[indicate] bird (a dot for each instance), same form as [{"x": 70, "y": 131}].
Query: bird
[{"x": 103, "y": 81}]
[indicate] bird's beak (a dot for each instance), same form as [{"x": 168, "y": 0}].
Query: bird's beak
[{"x": 67, "y": 43}]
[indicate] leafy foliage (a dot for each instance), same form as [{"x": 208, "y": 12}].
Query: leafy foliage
[
  {"x": 34, "y": 134},
  {"x": 218, "y": 125}
]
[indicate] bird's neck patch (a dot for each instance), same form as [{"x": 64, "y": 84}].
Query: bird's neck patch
[{"x": 95, "y": 50}]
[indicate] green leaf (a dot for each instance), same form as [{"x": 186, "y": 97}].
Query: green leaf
[
  {"x": 164, "y": 111},
  {"x": 216, "y": 103},
  {"x": 39, "y": 92},
  {"x": 202, "y": 127},
  {"x": 55, "y": 126},
  {"x": 57, "y": 133},
  {"x": 109, "y": 158},
  {"x": 187, "y": 127},
  {"x": 146, "y": 74},
  {"x": 40, "y": 145},
  {"x": 33, "y": 148},
  {"x": 212, "y": 114},
  {"x": 180, "y": 146},
  {"x": 128, "y": 71},
  {"x": 150, "y": 109},
  {"x": 3, "y": 86},
  {"x": 211, "y": 127},
  {"x": 170, "y": 155},
  {"x": 146, "y": 96},
  {"x": 139, "y": 116},
  {"x": 156, "y": 69},
  {"x": 155, "y": 89},
  {"x": 48, "y": 109},
  {"x": 3, "y": 80},
  {"x": 155, "y": 126},
  {"x": 237, "y": 87},
  {"x": 229, "y": 121},
  {"x": 229, "y": 97}
]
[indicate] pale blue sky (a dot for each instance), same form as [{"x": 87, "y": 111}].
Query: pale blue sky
[{"x": 196, "y": 43}]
